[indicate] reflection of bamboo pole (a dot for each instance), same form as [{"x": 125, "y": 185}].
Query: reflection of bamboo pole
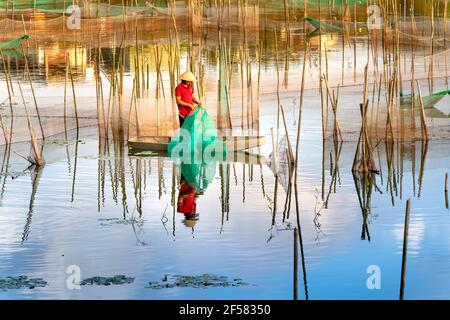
[
  {"x": 4, "y": 169},
  {"x": 364, "y": 183},
  {"x": 300, "y": 240},
  {"x": 297, "y": 145},
  {"x": 287, "y": 203},
  {"x": 275, "y": 153},
  {"x": 423, "y": 160},
  {"x": 445, "y": 40},
  {"x": 389, "y": 159},
  {"x": 334, "y": 170},
  {"x": 291, "y": 156},
  {"x": 323, "y": 168},
  {"x": 74, "y": 169},
  {"x": 34, "y": 187},
  {"x": 405, "y": 249},
  {"x": 275, "y": 198},
  {"x": 295, "y": 264},
  {"x": 446, "y": 191}
]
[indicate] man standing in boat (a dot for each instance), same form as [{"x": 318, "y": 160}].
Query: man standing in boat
[{"x": 184, "y": 94}]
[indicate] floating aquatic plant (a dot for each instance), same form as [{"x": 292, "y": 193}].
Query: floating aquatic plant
[
  {"x": 203, "y": 281},
  {"x": 21, "y": 282},
  {"x": 107, "y": 281},
  {"x": 59, "y": 142},
  {"x": 107, "y": 222}
]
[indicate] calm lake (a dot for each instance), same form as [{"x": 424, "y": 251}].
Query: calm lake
[{"x": 98, "y": 210}]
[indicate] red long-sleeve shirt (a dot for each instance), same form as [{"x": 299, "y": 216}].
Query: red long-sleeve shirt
[{"x": 187, "y": 95}]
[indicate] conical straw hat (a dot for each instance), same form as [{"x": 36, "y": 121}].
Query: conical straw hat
[{"x": 188, "y": 76}]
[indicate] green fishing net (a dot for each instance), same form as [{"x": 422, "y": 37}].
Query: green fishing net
[
  {"x": 10, "y": 45},
  {"x": 198, "y": 175},
  {"x": 196, "y": 142},
  {"x": 428, "y": 101}
]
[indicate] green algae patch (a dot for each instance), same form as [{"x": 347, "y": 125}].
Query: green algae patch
[
  {"x": 107, "y": 281},
  {"x": 203, "y": 281},
  {"x": 58, "y": 142},
  {"x": 108, "y": 222},
  {"x": 21, "y": 282}
]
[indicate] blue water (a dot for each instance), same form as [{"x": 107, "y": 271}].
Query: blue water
[{"x": 58, "y": 233}]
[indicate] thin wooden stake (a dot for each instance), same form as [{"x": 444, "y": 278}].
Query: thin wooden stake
[
  {"x": 38, "y": 160},
  {"x": 73, "y": 93}
]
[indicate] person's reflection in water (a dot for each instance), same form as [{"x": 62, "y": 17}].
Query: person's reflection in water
[
  {"x": 187, "y": 204},
  {"x": 194, "y": 180}
]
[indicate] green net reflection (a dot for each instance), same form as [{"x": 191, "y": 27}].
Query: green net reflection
[{"x": 198, "y": 175}]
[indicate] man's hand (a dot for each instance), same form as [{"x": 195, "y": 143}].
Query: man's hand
[{"x": 193, "y": 109}]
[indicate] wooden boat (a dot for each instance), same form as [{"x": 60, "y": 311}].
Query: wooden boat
[
  {"x": 149, "y": 143},
  {"x": 233, "y": 143},
  {"x": 428, "y": 101},
  {"x": 234, "y": 157}
]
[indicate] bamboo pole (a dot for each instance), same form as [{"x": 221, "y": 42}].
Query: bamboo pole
[
  {"x": 65, "y": 98},
  {"x": 334, "y": 98},
  {"x": 131, "y": 107},
  {"x": 322, "y": 105},
  {"x": 2, "y": 123},
  {"x": 445, "y": 40},
  {"x": 38, "y": 160},
  {"x": 422, "y": 114},
  {"x": 73, "y": 92},
  {"x": 32, "y": 91},
  {"x": 8, "y": 83},
  {"x": 278, "y": 83}
]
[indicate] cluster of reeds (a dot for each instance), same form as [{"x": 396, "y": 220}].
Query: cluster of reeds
[
  {"x": 36, "y": 157},
  {"x": 363, "y": 161}
]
